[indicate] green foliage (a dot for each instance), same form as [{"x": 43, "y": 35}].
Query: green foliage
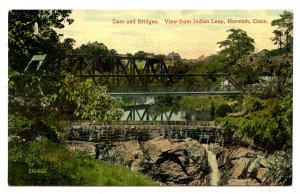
[
  {"x": 223, "y": 110},
  {"x": 212, "y": 64},
  {"x": 237, "y": 44},
  {"x": 32, "y": 32},
  {"x": 205, "y": 103},
  {"x": 283, "y": 35},
  {"x": 26, "y": 130},
  {"x": 42, "y": 162},
  {"x": 94, "y": 48},
  {"x": 86, "y": 99},
  {"x": 97, "y": 49},
  {"x": 27, "y": 117},
  {"x": 18, "y": 122},
  {"x": 90, "y": 99},
  {"x": 264, "y": 119},
  {"x": 275, "y": 65},
  {"x": 37, "y": 106}
]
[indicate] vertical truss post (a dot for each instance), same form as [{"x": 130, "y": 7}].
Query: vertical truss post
[
  {"x": 147, "y": 79},
  {"x": 131, "y": 72}
]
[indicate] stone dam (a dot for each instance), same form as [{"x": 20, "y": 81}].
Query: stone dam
[{"x": 112, "y": 133}]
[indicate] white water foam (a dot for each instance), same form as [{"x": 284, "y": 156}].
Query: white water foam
[{"x": 212, "y": 160}]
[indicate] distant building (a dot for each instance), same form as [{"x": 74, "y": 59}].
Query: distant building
[
  {"x": 174, "y": 57},
  {"x": 225, "y": 82}
]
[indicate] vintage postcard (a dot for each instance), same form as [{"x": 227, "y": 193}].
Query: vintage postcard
[{"x": 150, "y": 97}]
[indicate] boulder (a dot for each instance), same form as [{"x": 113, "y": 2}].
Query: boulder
[
  {"x": 242, "y": 152},
  {"x": 175, "y": 161},
  {"x": 129, "y": 151},
  {"x": 216, "y": 149},
  {"x": 172, "y": 170},
  {"x": 239, "y": 167},
  {"x": 156, "y": 147},
  {"x": 261, "y": 174},
  {"x": 253, "y": 167},
  {"x": 263, "y": 162},
  {"x": 195, "y": 150},
  {"x": 87, "y": 147}
]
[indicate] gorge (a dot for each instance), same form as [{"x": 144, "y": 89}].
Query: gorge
[{"x": 186, "y": 162}]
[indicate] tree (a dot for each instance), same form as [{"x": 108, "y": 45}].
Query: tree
[
  {"x": 237, "y": 44},
  {"x": 266, "y": 121},
  {"x": 283, "y": 35},
  {"x": 32, "y": 32},
  {"x": 94, "y": 48},
  {"x": 36, "y": 104},
  {"x": 278, "y": 38},
  {"x": 97, "y": 50}
]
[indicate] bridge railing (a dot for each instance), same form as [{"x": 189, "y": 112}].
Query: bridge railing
[{"x": 148, "y": 123}]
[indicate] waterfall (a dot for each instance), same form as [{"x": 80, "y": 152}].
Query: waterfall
[{"x": 212, "y": 160}]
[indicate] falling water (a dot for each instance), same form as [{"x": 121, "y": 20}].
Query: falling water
[{"x": 212, "y": 160}]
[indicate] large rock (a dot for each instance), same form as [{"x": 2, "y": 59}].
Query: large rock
[
  {"x": 201, "y": 182},
  {"x": 246, "y": 165},
  {"x": 195, "y": 150},
  {"x": 253, "y": 167},
  {"x": 242, "y": 152},
  {"x": 239, "y": 167},
  {"x": 261, "y": 174},
  {"x": 172, "y": 171},
  {"x": 158, "y": 146},
  {"x": 263, "y": 162},
  {"x": 87, "y": 147},
  {"x": 177, "y": 162},
  {"x": 129, "y": 152}
]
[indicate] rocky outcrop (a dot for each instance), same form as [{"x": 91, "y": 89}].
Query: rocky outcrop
[
  {"x": 244, "y": 166},
  {"x": 180, "y": 162},
  {"x": 171, "y": 162},
  {"x": 185, "y": 162},
  {"x": 86, "y": 147}
]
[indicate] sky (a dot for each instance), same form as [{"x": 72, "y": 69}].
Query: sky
[{"x": 189, "y": 40}]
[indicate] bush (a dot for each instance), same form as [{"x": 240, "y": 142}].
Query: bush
[
  {"x": 268, "y": 121},
  {"x": 223, "y": 110}
]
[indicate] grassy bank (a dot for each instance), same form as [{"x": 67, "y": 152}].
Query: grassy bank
[{"x": 42, "y": 162}]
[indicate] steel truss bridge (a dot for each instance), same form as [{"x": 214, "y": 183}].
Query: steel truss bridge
[
  {"x": 132, "y": 76},
  {"x": 145, "y": 112}
]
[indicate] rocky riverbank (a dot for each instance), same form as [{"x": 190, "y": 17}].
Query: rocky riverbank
[
  {"x": 244, "y": 166},
  {"x": 185, "y": 162}
]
